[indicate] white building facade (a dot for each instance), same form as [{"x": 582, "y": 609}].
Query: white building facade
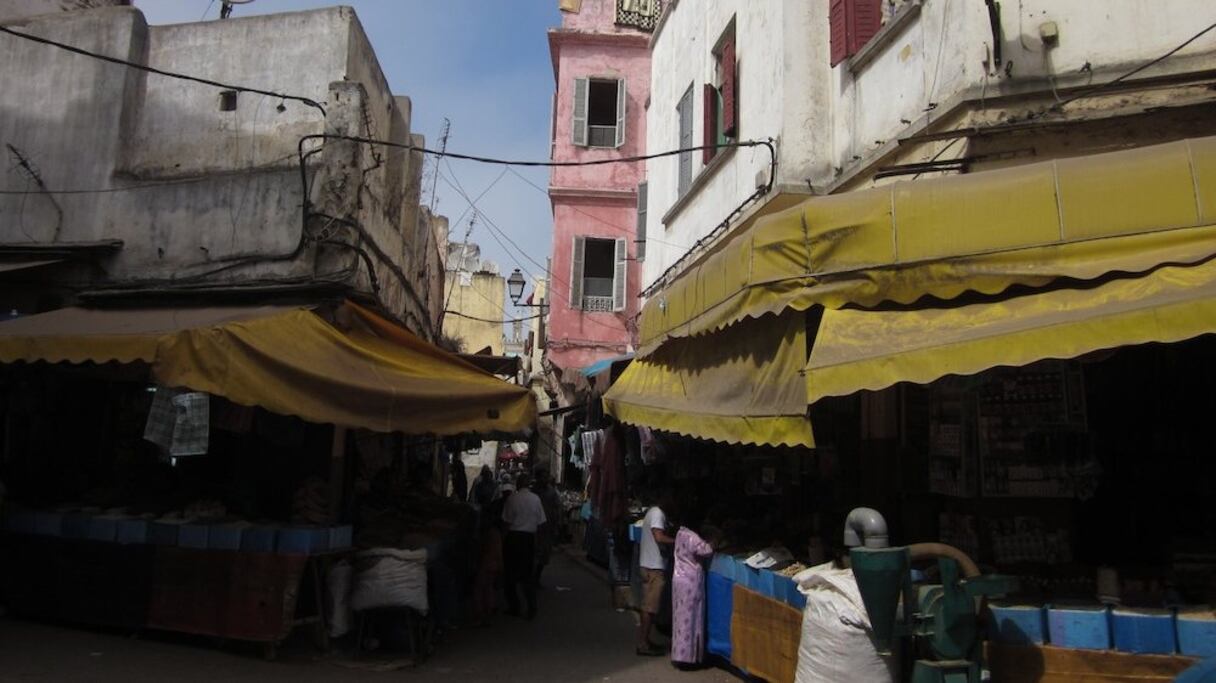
[{"x": 861, "y": 92}]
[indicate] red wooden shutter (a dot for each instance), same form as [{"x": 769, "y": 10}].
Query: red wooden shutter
[
  {"x": 867, "y": 19},
  {"x": 729, "y": 118},
  {"x": 838, "y": 21},
  {"x": 709, "y": 121}
]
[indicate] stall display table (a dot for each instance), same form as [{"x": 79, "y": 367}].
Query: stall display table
[
  {"x": 248, "y": 596},
  {"x": 1047, "y": 664}
]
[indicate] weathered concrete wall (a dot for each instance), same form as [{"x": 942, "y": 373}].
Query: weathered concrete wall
[
  {"x": 482, "y": 298},
  {"x": 203, "y": 196},
  {"x": 18, "y": 9}
]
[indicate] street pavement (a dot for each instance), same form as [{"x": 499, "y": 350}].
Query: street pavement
[{"x": 577, "y": 637}]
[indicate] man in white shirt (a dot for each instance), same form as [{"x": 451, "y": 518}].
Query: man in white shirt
[
  {"x": 523, "y": 513},
  {"x": 653, "y": 564}
]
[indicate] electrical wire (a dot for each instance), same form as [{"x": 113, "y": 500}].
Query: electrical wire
[
  {"x": 497, "y": 322},
  {"x": 161, "y": 72},
  {"x": 596, "y": 218},
  {"x": 593, "y": 162},
  {"x": 1090, "y": 92}
]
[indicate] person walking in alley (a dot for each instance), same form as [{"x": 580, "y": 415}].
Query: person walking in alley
[
  {"x": 652, "y": 564},
  {"x": 688, "y": 596},
  {"x": 523, "y": 514},
  {"x": 485, "y": 488},
  {"x": 546, "y": 535},
  {"x": 460, "y": 479}
]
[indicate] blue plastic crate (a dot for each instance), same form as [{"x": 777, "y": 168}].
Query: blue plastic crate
[
  {"x": 193, "y": 536},
  {"x": 302, "y": 540},
  {"x": 340, "y": 537},
  {"x": 21, "y": 521},
  {"x": 722, "y": 565},
  {"x": 1197, "y": 632},
  {"x": 76, "y": 525},
  {"x": 103, "y": 528},
  {"x": 1019, "y": 624},
  {"x": 224, "y": 536},
  {"x": 133, "y": 531},
  {"x": 1144, "y": 631},
  {"x": 48, "y": 523},
  {"x": 259, "y": 539},
  {"x": 787, "y": 591},
  {"x": 766, "y": 583},
  {"x": 719, "y": 602},
  {"x": 163, "y": 533},
  {"x": 1079, "y": 627}
]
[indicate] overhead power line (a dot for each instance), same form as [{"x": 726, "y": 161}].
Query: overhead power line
[
  {"x": 496, "y": 322},
  {"x": 161, "y": 72},
  {"x": 772, "y": 150}
]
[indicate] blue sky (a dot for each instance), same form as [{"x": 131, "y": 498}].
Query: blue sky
[{"x": 483, "y": 64}]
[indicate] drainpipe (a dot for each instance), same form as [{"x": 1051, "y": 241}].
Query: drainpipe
[{"x": 865, "y": 526}]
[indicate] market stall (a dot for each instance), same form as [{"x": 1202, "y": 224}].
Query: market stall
[
  {"x": 1015, "y": 362},
  {"x": 203, "y": 470}
]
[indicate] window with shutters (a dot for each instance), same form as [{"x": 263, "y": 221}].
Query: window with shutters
[
  {"x": 599, "y": 112},
  {"x": 684, "y": 112},
  {"x": 720, "y": 106},
  {"x": 598, "y": 274},
  {"x": 851, "y": 24},
  {"x": 643, "y": 14}
]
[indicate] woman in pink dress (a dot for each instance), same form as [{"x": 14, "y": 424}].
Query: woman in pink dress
[{"x": 688, "y": 597}]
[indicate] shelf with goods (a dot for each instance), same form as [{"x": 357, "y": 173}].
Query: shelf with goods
[
  {"x": 1031, "y": 433},
  {"x": 952, "y": 467}
]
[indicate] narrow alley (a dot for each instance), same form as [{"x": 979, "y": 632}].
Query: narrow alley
[{"x": 577, "y": 637}]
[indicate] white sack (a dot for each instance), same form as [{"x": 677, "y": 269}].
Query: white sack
[
  {"x": 387, "y": 577},
  {"x": 835, "y": 646}
]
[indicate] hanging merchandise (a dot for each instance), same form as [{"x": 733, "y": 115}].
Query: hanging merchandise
[
  {"x": 650, "y": 445},
  {"x": 179, "y": 422}
]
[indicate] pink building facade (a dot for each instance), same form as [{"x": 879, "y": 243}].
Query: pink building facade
[{"x": 601, "y": 65}]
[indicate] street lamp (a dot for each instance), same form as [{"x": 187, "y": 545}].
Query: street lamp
[{"x": 515, "y": 289}]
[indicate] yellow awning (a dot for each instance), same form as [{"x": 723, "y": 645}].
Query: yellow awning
[
  {"x": 1081, "y": 218},
  {"x": 371, "y": 374},
  {"x": 745, "y": 387},
  {"x": 869, "y": 349}
]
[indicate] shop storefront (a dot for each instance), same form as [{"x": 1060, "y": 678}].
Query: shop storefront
[{"x": 1011, "y": 362}]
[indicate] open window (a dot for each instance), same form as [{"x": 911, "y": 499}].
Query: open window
[
  {"x": 598, "y": 272},
  {"x": 599, "y": 112}
]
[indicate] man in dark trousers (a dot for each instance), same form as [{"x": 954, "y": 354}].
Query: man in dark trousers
[
  {"x": 522, "y": 514},
  {"x": 460, "y": 479},
  {"x": 547, "y": 535}
]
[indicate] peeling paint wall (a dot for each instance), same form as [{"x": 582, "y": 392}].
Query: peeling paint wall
[
  {"x": 205, "y": 193},
  {"x": 594, "y": 201}
]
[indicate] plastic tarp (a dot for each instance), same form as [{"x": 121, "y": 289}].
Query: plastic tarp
[
  {"x": 874, "y": 349},
  {"x": 359, "y": 371},
  {"x": 745, "y": 387},
  {"x": 1081, "y": 218},
  {"x": 719, "y": 592}
]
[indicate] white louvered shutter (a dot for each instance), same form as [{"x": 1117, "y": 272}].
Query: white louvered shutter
[
  {"x": 620, "y": 112},
  {"x": 619, "y": 275},
  {"x": 581, "y": 91},
  {"x": 641, "y": 229},
  {"x": 576, "y": 273}
]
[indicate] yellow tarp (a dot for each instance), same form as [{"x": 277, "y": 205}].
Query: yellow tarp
[
  {"x": 1082, "y": 218},
  {"x": 371, "y": 374},
  {"x": 745, "y": 387},
  {"x": 868, "y": 349}
]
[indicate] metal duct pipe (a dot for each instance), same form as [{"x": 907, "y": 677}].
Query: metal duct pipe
[
  {"x": 921, "y": 551},
  {"x": 865, "y": 526}
]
